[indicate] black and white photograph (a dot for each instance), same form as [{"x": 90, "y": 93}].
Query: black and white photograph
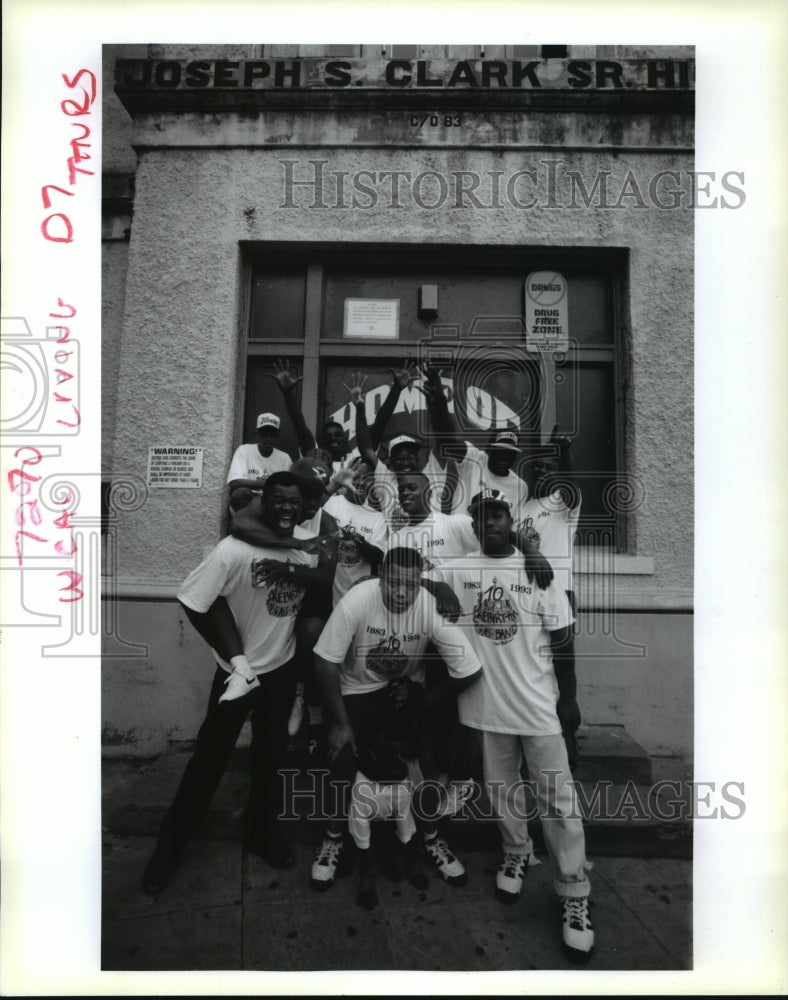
[
  {"x": 387, "y": 551},
  {"x": 439, "y": 286}
]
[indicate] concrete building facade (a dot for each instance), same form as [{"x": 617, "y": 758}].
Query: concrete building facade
[{"x": 521, "y": 215}]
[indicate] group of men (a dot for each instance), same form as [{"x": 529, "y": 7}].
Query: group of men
[{"x": 410, "y": 599}]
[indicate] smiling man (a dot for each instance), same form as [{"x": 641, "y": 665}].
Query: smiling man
[
  {"x": 247, "y": 615},
  {"x": 523, "y": 701},
  {"x": 252, "y": 464},
  {"x": 378, "y": 633}
]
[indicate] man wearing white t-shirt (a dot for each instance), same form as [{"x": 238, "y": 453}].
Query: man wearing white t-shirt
[
  {"x": 378, "y": 632},
  {"x": 525, "y": 698},
  {"x": 405, "y": 453},
  {"x": 252, "y": 464},
  {"x": 243, "y": 600},
  {"x": 442, "y": 539},
  {"x": 475, "y": 469},
  {"x": 362, "y": 539}
]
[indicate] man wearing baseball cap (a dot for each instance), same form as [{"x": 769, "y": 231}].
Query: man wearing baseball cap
[
  {"x": 476, "y": 469},
  {"x": 523, "y": 699},
  {"x": 405, "y": 452},
  {"x": 252, "y": 464}
]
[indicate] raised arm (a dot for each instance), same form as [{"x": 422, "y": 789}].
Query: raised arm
[
  {"x": 444, "y": 427},
  {"x": 402, "y": 378},
  {"x": 566, "y": 465},
  {"x": 363, "y": 438},
  {"x": 281, "y": 375}
]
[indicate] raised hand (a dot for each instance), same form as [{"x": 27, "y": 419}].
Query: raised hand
[
  {"x": 356, "y": 387},
  {"x": 559, "y": 440},
  {"x": 281, "y": 374},
  {"x": 343, "y": 478},
  {"x": 405, "y": 375},
  {"x": 432, "y": 387}
]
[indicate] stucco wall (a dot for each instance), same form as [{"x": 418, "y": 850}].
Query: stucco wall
[
  {"x": 161, "y": 697},
  {"x": 207, "y": 181},
  {"x": 114, "y": 255},
  {"x": 179, "y": 360}
]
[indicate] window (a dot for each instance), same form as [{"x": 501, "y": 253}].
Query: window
[{"x": 298, "y": 296}]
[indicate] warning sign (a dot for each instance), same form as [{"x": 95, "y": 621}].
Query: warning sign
[
  {"x": 175, "y": 467},
  {"x": 546, "y": 312}
]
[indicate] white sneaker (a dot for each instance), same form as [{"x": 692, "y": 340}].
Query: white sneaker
[
  {"x": 509, "y": 877},
  {"x": 450, "y": 868},
  {"x": 457, "y": 794},
  {"x": 236, "y": 686},
  {"x": 324, "y": 867},
  {"x": 577, "y": 931},
  {"x": 296, "y": 715}
]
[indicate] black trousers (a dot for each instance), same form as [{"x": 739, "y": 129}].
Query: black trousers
[{"x": 270, "y": 706}]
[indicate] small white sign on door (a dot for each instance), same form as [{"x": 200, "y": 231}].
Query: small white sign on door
[
  {"x": 375, "y": 318},
  {"x": 546, "y": 312}
]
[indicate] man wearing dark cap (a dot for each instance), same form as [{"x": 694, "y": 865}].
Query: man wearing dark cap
[
  {"x": 524, "y": 698},
  {"x": 252, "y": 464}
]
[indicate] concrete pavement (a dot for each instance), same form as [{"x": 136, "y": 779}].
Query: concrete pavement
[{"x": 228, "y": 910}]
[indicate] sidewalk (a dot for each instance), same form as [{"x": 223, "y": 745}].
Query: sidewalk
[{"x": 226, "y": 909}]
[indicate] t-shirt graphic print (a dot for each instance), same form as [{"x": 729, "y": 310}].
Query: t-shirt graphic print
[{"x": 494, "y": 616}]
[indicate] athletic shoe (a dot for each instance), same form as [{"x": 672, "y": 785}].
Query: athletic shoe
[
  {"x": 296, "y": 715},
  {"x": 236, "y": 686},
  {"x": 509, "y": 877},
  {"x": 577, "y": 930},
  {"x": 457, "y": 794},
  {"x": 450, "y": 868},
  {"x": 324, "y": 867}
]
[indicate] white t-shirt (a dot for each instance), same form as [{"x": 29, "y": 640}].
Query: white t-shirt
[
  {"x": 439, "y": 538},
  {"x": 373, "y": 644},
  {"x": 505, "y": 621},
  {"x": 265, "y": 616},
  {"x": 248, "y": 463},
  {"x": 368, "y": 524},
  {"x": 473, "y": 475},
  {"x": 550, "y": 526},
  {"x": 387, "y": 488}
]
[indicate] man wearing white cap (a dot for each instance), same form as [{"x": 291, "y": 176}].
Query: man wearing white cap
[
  {"x": 476, "y": 469},
  {"x": 252, "y": 464}
]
